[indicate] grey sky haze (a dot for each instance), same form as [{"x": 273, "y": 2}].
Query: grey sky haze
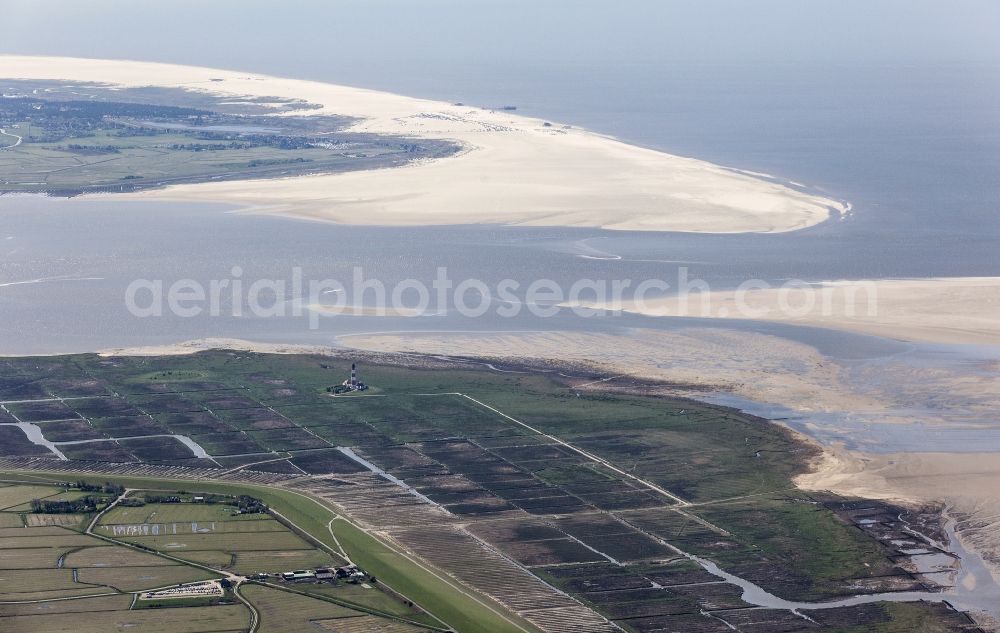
[{"x": 265, "y": 36}]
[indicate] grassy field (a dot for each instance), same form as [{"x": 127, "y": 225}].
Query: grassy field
[
  {"x": 89, "y": 605},
  {"x": 47, "y": 572},
  {"x": 52, "y": 559},
  {"x": 438, "y": 595},
  {"x": 224, "y": 541},
  {"x": 168, "y": 512},
  {"x": 18, "y": 581},
  {"x": 33, "y": 166},
  {"x": 109, "y": 556},
  {"x": 604, "y": 482},
  {"x": 218, "y": 619},
  {"x": 14, "y": 496},
  {"x": 211, "y": 534},
  {"x": 70, "y": 145},
  {"x": 130, "y": 579},
  {"x": 282, "y": 611},
  {"x": 52, "y": 563},
  {"x": 8, "y": 140}
]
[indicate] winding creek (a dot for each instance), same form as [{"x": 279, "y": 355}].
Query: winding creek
[
  {"x": 35, "y": 436},
  {"x": 195, "y": 448},
  {"x": 974, "y": 589}
]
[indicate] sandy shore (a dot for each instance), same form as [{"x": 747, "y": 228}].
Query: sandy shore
[
  {"x": 513, "y": 170},
  {"x": 967, "y": 483},
  {"x": 963, "y": 310}
]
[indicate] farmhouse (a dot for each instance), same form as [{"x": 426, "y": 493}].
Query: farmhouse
[
  {"x": 299, "y": 575},
  {"x": 324, "y": 574}
]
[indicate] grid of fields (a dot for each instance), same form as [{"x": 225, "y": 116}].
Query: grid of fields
[
  {"x": 51, "y": 578},
  {"x": 489, "y": 476},
  {"x": 212, "y": 534},
  {"x": 59, "y": 579}
]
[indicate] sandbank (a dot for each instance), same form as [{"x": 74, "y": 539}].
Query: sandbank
[
  {"x": 512, "y": 170},
  {"x": 960, "y": 310}
]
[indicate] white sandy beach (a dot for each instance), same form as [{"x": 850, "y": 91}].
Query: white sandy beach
[
  {"x": 513, "y": 170},
  {"x": 963, "y": 310}
]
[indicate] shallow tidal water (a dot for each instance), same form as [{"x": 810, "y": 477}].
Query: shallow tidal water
[{"x": 66, "y": 264}]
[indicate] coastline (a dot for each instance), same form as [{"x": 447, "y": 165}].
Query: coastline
[
  {"x": 965, "y": 483},
  {"x": 514, "y": 170},
  {"x": 755, "y": 366},
  {"x": 958, "y": 486},
  {"x": 517, "y": 191}
]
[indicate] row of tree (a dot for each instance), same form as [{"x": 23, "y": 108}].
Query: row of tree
[{"x": 83, "y": 505}]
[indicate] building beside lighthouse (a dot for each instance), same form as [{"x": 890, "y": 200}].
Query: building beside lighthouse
[{"x": 352, "y": 383}]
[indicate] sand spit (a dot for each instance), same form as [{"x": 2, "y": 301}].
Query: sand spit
[
  {"x": 962, "y": 310},
  {"x": 514, "y": 170}
]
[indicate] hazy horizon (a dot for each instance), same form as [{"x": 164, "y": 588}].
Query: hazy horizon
[{"x": 355, "y": 39}]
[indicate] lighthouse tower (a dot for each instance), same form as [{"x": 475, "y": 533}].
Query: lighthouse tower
[{"x": 352, "y": 383}]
